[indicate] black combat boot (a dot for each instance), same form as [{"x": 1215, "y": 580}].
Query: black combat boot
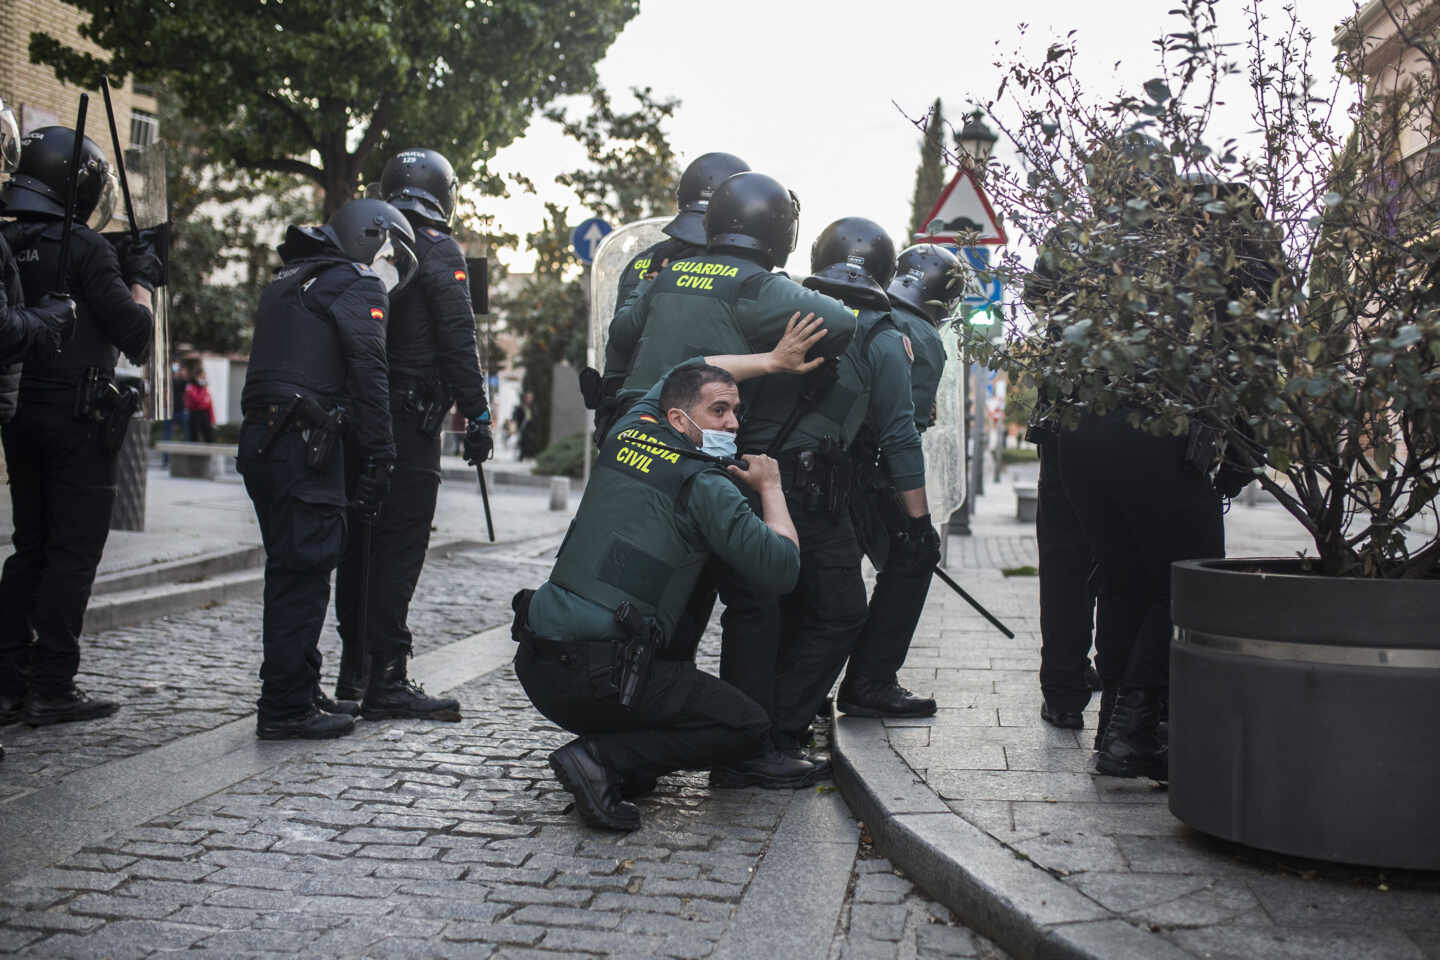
[
  {"x": 350, "y": 708},
  {"x": 1107, "y": 707},
  {"x": 820, "y": 761},
  {"x": 1129, "y": 747},
  {"x": 860, "y": 697},
  {"x": 354, "y": 676},
  {"x": 67, "y": 706},
  {"x": 393, "y": 696},
  {"x": 595, "y": 787},
  {"x": 770, "y": 769},
  {"x": 11, "y": 709},
  {"x": 1064, "y": 719},
  {"x": 315, "y": 725}
]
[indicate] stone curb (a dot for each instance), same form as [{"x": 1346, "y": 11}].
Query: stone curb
[
  {"x": 186, "y": 569},
  {"x": 127, "y": 606},
  {"x": 988, "y": 885}
]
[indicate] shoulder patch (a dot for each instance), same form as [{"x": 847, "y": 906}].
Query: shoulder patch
[
  {"x": 432, "y": 233},
  {"x": 647, "y": 418},
  {"x": 376, "y": 313},
  {"x": 909, "y": 350},
  {"x": 363, "y": 269},
  {"x": 460, "y": 275}
]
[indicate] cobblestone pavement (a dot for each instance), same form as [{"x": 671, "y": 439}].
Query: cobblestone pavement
[
  {"x": 181, "y": 675},
  {"x": 405, "y": 839}
]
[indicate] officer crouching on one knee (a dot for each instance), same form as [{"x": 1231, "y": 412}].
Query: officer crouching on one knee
[
  {"x": 63, "y": 444},
  {"x": 317, "y": 367},
  {"x": 593, "y": 655}
]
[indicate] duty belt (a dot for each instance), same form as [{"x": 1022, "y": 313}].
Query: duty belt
[{"x": 818, "y": 480}]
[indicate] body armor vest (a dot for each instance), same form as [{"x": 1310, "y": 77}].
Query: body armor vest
[
  {"x": 296, "y": 348},
  {"x": 36, "y": 247}
]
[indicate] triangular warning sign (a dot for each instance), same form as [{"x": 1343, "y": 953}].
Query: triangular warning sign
[{"x": 963, "y": 210}]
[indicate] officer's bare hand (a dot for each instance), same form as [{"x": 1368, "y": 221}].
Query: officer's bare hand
[
  {"x": 761, "y": 472},
  {"x": 800, "y": 335}
]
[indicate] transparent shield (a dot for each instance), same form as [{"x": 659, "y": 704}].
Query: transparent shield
[
  {"x": 147, "y": 185},
  {"x": 612, "y": 255},
  {"x": 944, "y": 442}
]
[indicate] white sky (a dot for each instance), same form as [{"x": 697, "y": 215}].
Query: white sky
[{"x": 803, "y": 89}]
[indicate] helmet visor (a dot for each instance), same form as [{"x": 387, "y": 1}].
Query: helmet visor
[
  {"x": 109, "y": 196},
  {"x": 9, "y": 140},
  {"x": 395, "y": 262}
]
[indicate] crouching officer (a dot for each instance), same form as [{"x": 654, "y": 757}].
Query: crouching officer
[
  {"x": 62, "y": 445},
  {"x": 684, "y": 238},
  {"x": 809, "y": 424},
  {"x": 593, "y": 651},
  {"x": 24, "y": 332},
  {"x": 319, "y": 344},
  {"x": 430, "y": 344},
  {"x": 926, "y": 281}
]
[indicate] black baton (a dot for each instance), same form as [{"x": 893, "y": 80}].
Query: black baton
[
  {"x": 362, "y": 628},
  {"x": 485, "y": 498},
  {"x": 72, "y": 175},
  {"x": 119, "y": 160},
  {"x": 973, "y": 602}
]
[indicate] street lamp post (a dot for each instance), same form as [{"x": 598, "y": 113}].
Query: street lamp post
[{"x": 976, "y": 141}]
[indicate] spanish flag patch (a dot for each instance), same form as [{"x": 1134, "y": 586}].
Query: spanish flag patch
[
  {"x": 460, "y": 275},
  {"x": 376, "y": 313},
  {"x": 647, "y": 418}
]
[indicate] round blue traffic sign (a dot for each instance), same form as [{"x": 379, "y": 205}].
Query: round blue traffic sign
[{"x": 587, "y": 236}]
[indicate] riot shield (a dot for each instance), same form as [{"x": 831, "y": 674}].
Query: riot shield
[
  {"x": 612, "y": 255},
  {"x": 152, "y": 217},
  {"x": 944, "y": 442}
]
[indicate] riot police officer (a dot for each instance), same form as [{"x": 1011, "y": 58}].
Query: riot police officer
[
  {"x": 926, "y": 282},
  {"x": 796, "y": 648},
  {"x": 595, "y": 654},
  {"x": 430, "y": 343},
  {"x": 24, "y": 332},
  {"x": 62, "y": 444},
  {"x": 685, "y": 238},
  {"x": 317, "y": 361}
]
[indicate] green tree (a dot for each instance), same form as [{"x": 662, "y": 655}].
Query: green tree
[
  {"x": 930, "y": 175},
  {"x": 631, "y": 174},
  {"x": 325, "y": 89}
]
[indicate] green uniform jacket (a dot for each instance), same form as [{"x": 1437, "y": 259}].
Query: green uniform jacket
[
  {"x": 621, "y": 340},
  {"x": 647, "y": 524},
  {"x": 929, "y": 365},
  {"x": 716, "y": 304},
  {"x": 872, "y": 391}
]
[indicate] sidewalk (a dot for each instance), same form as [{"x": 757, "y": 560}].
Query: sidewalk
[{"x": 998, "y": 816}]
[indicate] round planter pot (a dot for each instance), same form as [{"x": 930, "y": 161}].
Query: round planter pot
[{"x": 1304, "y": 711}]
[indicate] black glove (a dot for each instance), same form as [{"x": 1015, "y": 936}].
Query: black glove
[
  {"x": 478, "y": 442},
  {"x": 916, "y": 549},
  {"x": 370, "y": 489},
  {"x": 1230, "y": 480},
  {"x": 140, "y": 265},
  {"x": 55, "y": 315}
]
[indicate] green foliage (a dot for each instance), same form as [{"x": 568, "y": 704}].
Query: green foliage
[
  {"x": 1276, "y": 299},
  {"x": 564, "y": 458},
  {"x": 1019, "y": 403},
  {"x": 349, "y": 80},
  {"x": 930, "y": 175}
]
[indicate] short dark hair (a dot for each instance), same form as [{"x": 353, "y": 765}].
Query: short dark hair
[{"x": 682, "y": 388}]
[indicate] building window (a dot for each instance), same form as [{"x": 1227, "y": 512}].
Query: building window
[
  {"x": 144, "y": 128},
  {"x": 143, "y": 89}
]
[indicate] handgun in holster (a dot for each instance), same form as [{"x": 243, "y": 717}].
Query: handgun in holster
[
  {"x": 631, "y": 668},
  {"x": 807, "y": 481},
  {"x": 128, "y": 395},
  {"x": 838, "y": 475},
  {"x": 320, "y": 429}
]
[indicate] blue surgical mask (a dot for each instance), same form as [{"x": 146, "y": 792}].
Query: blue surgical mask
[{"x": 717, "y": 443}]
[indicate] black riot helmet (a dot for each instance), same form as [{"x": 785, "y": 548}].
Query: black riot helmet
[
  {"x": 38, "y": 185},
  {"x": 753, "y": 212},
  {"x": 927, "y": 279},
  {"x": 421, "y": 182},
  {"x": 376, "y": 234},
  {"x": 697, "y": 184},
  {"x": 853, "y": 256}
]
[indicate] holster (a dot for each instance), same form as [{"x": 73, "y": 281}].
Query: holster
[
  {"x": 320, "y": 429},
  {"x": 820, "y": 480},
  {"x": 99, "y": 399},
  {"x": 633, "y": 656},
  {"x": 427, "y": 402}
]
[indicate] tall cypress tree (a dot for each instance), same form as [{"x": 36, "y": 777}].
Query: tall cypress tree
[{"x": 930, "y": 175}]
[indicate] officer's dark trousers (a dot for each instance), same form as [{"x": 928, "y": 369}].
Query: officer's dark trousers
[
  {"x": 685, "y": 719},
  {"x": 895, "y": 607},
  {"x": 1066, "y": 598},
  {"x": 302, "y": 523},
  {"x": 820, "y": 621},
  {"x": 1143, "y": 508},
  {"x": 62, "y": 486},
  {"x": 397, "y": 553}
]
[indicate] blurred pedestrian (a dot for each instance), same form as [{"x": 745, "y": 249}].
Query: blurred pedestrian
[{"x": 199, "y": 410}]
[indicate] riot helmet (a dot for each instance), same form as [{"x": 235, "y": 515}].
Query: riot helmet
[
  {"x": 927, "y": 280},
  {"x": 697, "y": 184},
  {"x": 38, "y": 184},
  {"x": 9, "y": 139},
  {"x": 753, "y": 212},
  {"x": 421, "y": 182},
  {"x": 852, "y": 256},
  {"x": 376, "y": 234}
]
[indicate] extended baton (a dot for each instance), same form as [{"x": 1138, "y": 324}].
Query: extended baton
[
  {"x": 119, "y": 160},
  {"x": 72, "y": 175},
  {"x": 362, "y": 627},
  {"x": 973, "y": 602},
  {"x": 485, "y": 499}
]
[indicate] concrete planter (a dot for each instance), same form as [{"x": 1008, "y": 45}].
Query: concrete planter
[{"x": 1303, "y": 711}]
